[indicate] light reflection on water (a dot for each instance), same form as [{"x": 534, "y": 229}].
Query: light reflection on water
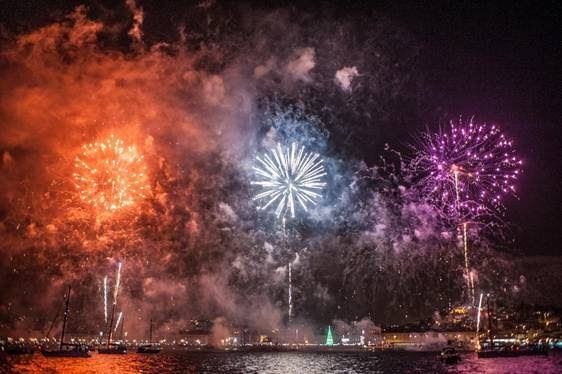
[{"x": 287, "y": 362}]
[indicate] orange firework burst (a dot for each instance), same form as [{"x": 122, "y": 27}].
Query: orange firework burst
[{"x": 110, "y": 175}]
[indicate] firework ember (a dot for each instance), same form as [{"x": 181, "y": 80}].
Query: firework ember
[
  {"x": 110, "y": 175},
  {"x": 468, "y": 167},
  {"x": 289, "y": 176}
]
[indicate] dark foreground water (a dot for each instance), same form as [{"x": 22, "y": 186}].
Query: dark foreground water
[{"x": 289, "y": 362}]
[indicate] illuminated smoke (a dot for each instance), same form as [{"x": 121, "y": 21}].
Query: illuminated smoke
[
  {"x": 301, "y": 64},
  {"x": 138, "y": 17},
  {"x": 345, "y": 76},
  {"x": 110, "y": 175}
]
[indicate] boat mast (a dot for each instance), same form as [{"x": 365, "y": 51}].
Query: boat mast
[
  {"x": 111, "y": 325},
  {"x": 54, "y": 319},
  {"x": 122, "y": 324},
  {"x": 65, "y": 319}
]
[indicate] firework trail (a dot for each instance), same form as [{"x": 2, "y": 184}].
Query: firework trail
[
  {"x": 118, "y": 321},
  {"x": 468, "y": 273},
  {"x": 290, "y": 293},
  {"x": 289, "y": 176},
  {"x": 478, "y": 321},
  {"x": 117, "y": 284},
  {"x": 110, "y": 176},
  {"x": 105, "y": 298}
]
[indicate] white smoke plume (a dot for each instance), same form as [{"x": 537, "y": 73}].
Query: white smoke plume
[{"x": 345, "y": 76}]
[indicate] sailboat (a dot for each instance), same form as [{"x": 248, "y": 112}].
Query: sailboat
[
  {"x": 113, "y": 348},
  {"x": 493, "y": 350},
  {"x": 67, "y": 349},
  {"x": 149, "y": 348}
]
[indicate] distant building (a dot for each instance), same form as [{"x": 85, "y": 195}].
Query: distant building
[
  {"x": 427, "y": 340},
  {"x": 198, "y": 333}
]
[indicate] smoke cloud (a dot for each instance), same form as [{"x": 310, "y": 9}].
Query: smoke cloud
[{"x": 345, "y": 76}]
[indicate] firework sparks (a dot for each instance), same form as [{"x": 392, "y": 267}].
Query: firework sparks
[
  {"x": 468, "y": 167},
  {"x": 110, "y": 175},
  {"x": 289, "y": 176}
]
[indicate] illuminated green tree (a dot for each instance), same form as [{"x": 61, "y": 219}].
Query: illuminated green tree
[{"x": 329, "y": 338}]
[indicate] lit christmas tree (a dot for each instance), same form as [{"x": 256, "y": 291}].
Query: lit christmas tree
[{"x": 329, "y": 338}]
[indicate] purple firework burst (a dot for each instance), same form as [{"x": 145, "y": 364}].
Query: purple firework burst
[{"x": 467, "y": 168}]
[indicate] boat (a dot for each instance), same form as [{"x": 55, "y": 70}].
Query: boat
[
  {"x": 67, "y": 349},
  {"x": 498, "y": 352},
  {"x": 493, "y": 350},
  {"x": 149, "y": 348},
  {"x": 450, "y": 356},
  {"x": 113, "y": 349},
  {"x": 18, "y": 349}
]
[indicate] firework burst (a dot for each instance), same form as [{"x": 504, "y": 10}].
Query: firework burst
[
  {"x": 110, "y": 175},
  {"x": 289, "y": 177},
  {"x": 467, "y": 168}
]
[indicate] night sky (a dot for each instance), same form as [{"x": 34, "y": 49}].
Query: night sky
[{"x": 232, "y": 77}]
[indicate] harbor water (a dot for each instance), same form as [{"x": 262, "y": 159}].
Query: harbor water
[{"x": 279, "y": 362}]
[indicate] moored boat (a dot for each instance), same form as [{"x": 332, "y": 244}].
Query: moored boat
[
  {"x": 18, "y": 349},
  {"x": 449, "y": 356},
  {"x": 491, "y": 349},
  {"x": 113, "y": 349},
  {"x": 66, "y": 349},
  {"x": 149, "y": 348}
]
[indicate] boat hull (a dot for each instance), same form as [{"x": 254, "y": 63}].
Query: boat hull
[
  {"x": 19, "y": 350},
  {"x": 113, "y": 351},
  {"x": 148, "y": 349},
  {"x": 530, "y": 352}
]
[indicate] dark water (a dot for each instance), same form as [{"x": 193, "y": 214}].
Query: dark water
[{"x": 290, "y": 362}]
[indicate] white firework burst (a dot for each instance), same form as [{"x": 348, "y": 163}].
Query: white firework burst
[{"x": 289, "y": 176}]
